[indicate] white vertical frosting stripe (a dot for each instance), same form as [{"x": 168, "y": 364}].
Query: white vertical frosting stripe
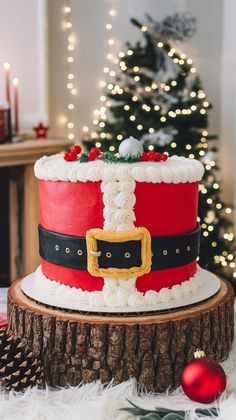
[{"x": 119, "y": 200}]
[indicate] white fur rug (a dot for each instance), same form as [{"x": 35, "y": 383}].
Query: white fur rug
[{"x": 94, "y": 402}]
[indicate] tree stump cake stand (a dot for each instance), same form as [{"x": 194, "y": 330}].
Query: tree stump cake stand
[{"x": 152, "y": 348}]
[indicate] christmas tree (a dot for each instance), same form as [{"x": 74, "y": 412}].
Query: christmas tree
[{"x": 158, "y": 98}]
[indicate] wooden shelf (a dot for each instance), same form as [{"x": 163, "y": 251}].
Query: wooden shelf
[
  {"x": 19, "y": 159},
  {"x": 28, "y": 151}
]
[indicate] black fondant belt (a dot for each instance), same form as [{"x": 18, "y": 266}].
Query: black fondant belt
[{"x": 119, "y": 254}]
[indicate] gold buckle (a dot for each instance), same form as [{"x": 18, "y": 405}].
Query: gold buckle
[{"x": 137, "y": 234}]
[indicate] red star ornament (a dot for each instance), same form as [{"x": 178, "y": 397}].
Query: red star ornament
[{"x": 41, "y": 131}]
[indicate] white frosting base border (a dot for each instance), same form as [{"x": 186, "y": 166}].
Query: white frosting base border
[
  {"x": 115, "y": 294},
  {"x": 175, "y": 170},
  {"x": 210, "y": 286}
]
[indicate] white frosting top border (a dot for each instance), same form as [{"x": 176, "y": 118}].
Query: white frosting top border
[{"x": 175, "y": 170}]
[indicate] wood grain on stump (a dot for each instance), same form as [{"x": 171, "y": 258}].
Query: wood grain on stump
[{"x": 152, "y": 348}]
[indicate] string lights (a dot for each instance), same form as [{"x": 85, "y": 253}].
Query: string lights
[
  {"x": 70, "y": 77},
  {"x": 100, "y": 115},
  {"x": 115, "y": 89}
]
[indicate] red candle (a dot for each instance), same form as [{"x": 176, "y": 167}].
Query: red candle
[
  {"x": 7, "y": 81},
  {"x": 16, "y": 105}
]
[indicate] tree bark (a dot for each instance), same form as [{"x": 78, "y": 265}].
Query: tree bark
[{"x": 152, "y": 348}]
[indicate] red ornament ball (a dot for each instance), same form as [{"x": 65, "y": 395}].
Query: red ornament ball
[
  {"x": 70, "y": 156},
  {"x": 203, "y": 380},
  {"x": 76, "y": 149}
]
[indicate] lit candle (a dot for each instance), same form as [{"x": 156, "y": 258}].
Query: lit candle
[
  {"x": 7, "y": 81},
  {"x": 16, "y": 105}
]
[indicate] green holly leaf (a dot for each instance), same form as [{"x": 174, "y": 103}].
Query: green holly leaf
[
  {"x": 83, "y": 157},
  {"x": 115, "y": 158}
]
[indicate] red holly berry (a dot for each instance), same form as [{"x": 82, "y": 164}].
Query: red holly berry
[
  {"x": 76, "y": 149},
  {"x": 70, "y": 156},
  {"x": 95, "y": 151},
  {"x": 164, "y": 157},
  {"x": 151, "y": 156},
  {"x": 144, "y": 156},
  {"x": 92, "y": 156},
  {"x": 158, "y": 157}
]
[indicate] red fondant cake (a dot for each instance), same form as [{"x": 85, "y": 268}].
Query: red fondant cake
[{"x": 164, "y": 209}]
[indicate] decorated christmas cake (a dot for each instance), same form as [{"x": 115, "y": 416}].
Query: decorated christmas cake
[
  {"x": 119, "y": 243},
  {"x": 119, "y": 234}
]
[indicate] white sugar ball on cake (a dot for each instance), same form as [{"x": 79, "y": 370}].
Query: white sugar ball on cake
[{"x": 131, "y": 147}]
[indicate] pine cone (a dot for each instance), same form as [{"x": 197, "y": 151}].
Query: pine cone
[{"x": 19, "y": 369}]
